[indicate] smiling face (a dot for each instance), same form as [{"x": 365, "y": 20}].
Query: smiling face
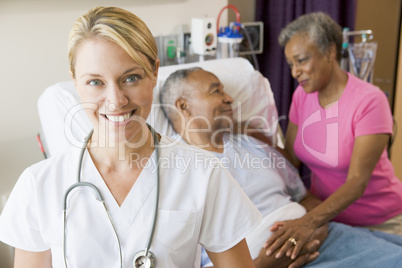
[
  {"x": 311, "y": 67},
  {"x": 208, "y": 102},
  {"x": 114, "y": 89}
]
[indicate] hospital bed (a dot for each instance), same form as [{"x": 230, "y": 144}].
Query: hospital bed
[{"x": 64, "y": 123}]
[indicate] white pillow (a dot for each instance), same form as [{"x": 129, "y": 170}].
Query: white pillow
[{"x": 64, "y": 122}]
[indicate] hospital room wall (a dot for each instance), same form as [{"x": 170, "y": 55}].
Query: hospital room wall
[
  {"x": 384, "y": 19},
  {"x": 396, "y": 149},
  {"x": 33, "y": 42},
  {"x": 246, "y": 10}
]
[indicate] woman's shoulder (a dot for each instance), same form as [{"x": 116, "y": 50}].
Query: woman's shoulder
[
  {"x": 365, "y": 98},
  {"x": 362, "y": 89},
  {"x": 59, "y": 163},
  {"x": 52, "y": 175}
]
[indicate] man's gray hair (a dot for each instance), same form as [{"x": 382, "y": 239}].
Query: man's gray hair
[
  {"x": 319, "y": 27},
  {"x": 175, "y": 87}
]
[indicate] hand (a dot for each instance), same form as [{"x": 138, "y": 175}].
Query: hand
[
  {"x": 307, "y": 254},
  {"x": 300, "y": 230},
  {"x": 309, "y": 251}
]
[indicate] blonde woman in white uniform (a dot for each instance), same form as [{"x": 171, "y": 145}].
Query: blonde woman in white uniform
[{"x": 113, "y": 62}]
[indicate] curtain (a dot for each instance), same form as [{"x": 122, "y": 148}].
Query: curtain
[{"x": 275, "y": 14}]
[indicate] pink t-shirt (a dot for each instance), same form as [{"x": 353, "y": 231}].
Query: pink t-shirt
[{"x": 325, "y": 139}]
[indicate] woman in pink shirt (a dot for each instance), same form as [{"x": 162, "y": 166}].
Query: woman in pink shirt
[{"x": 339, "y": 127}]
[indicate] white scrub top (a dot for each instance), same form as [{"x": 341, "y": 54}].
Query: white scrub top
[{"x": 199, "y": 203}]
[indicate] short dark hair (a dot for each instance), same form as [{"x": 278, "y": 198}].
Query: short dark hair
[{"x": 173, "y": 88}]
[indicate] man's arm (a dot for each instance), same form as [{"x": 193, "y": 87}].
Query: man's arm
[
  {"x": 309, "y": 251},
  {"x": 257, "y": 133},
  {"x": 308, "y": 254},
  {"x": 237, "y": 256},
  {"x": 310, "y": 201}
]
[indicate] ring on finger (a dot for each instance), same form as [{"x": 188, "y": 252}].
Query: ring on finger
[{"x": 292, "y": 240}]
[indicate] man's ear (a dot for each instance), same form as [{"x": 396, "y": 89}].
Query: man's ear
[{"x": 182, "y": 106}]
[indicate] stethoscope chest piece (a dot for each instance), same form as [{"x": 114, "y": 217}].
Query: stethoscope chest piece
[{"x": 142, "y": 260}]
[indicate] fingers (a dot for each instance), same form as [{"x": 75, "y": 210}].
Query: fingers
[
  {"x": 313, "y": 256},
  {"x": 310, "y": 247},
  {"x": 289, "y": 252},
  {"x": 304, "y": 259},
  {"x": 285, "y": 237},
  {"x": 308, "y": 253},
  {"x": 296, "y": 250},
  {"x": 276, "y": 226},
  {"x": 286, "y": 246},
  {"x": 275, "y": 242},
  {"x": 292, "y": 248}
]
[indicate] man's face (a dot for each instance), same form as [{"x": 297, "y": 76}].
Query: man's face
[{"x": 209, "y": 106}]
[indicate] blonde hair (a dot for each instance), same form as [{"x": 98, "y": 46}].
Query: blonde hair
[{"x": 118, "y": 26}]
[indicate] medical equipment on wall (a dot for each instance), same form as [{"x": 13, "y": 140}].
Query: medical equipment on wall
[
  {"x": 203, "y": 40},
  {"x": 254, "y": 41},
  {"x": 358, "y": 58},
  {"x": 344, "y": 52},
  {"x": 229, "y": 37},
  {"x": 142, "y": 259},
  {"x": 203, "y": 36}
]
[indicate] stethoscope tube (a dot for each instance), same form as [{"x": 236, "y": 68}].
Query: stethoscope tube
[
  {"x": 151, "y": 233},
  {"x": 99, "y": 198},
  {"x": 146, "y": 253}
]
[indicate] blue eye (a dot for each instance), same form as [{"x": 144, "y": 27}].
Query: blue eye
[
  {"x": 132, "y": 78},
  {"x": 95, "y": 82}
]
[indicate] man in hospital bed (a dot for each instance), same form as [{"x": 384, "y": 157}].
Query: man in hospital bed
[{"x": 199, "y": 110}]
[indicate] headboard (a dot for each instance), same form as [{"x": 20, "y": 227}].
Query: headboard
[{"x": 64, "y": 122}]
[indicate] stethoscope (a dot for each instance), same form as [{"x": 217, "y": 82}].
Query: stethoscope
[{"x": 142, "y": 259}]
